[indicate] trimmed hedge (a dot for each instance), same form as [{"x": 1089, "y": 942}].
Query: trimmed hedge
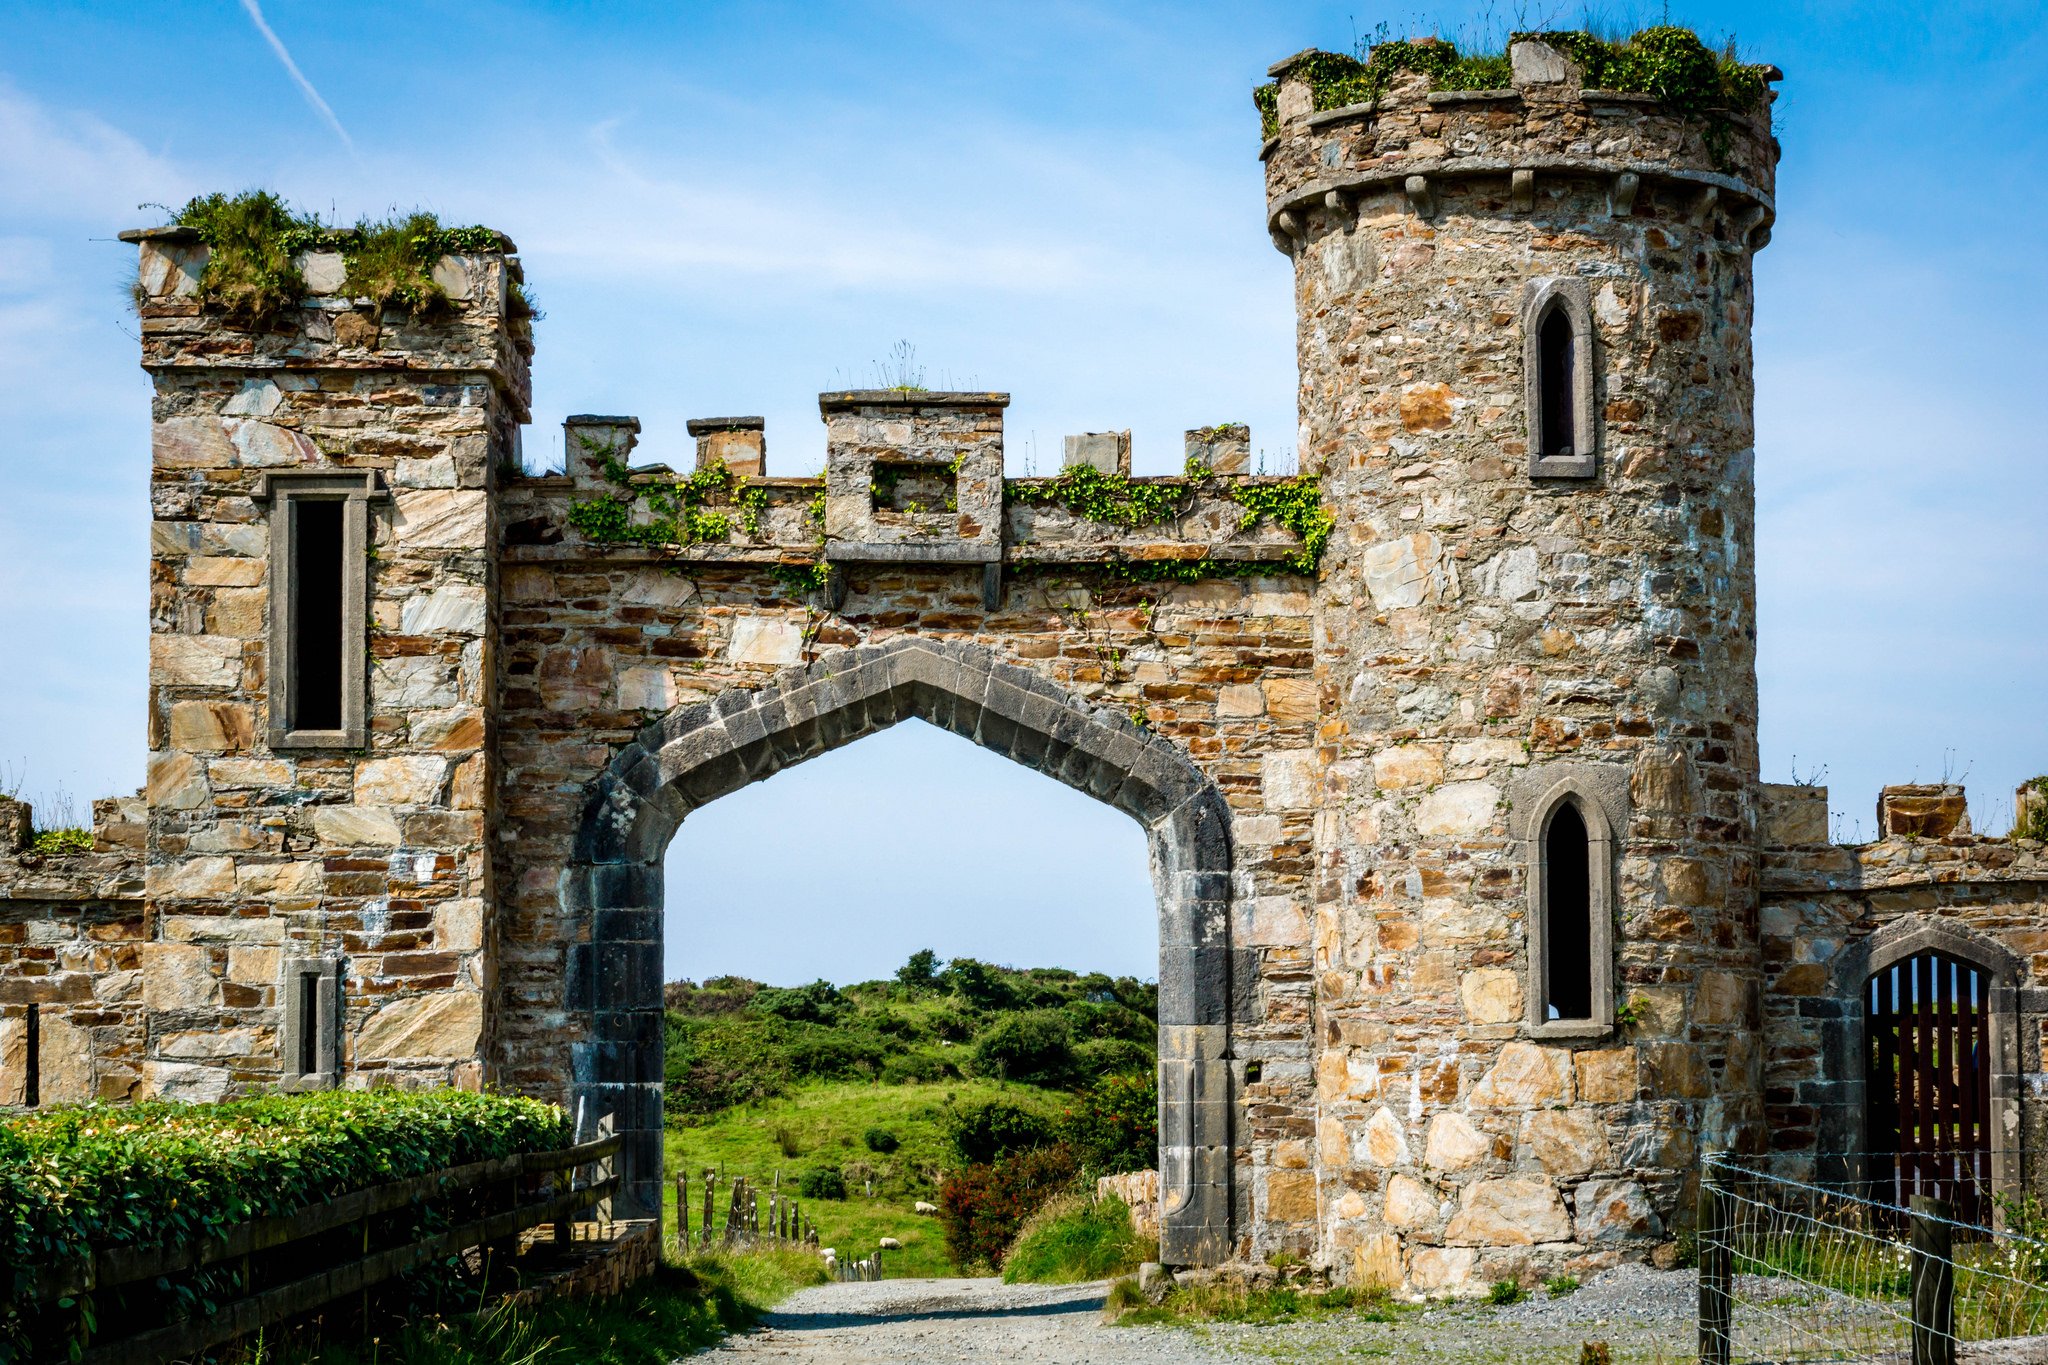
[{"x": 76, "y": 1179}]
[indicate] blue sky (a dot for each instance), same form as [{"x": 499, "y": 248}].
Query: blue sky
[{"x": 727, "y": 208}]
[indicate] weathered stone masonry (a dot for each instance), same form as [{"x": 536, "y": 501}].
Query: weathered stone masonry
[{"x": 1348, "y": 778}]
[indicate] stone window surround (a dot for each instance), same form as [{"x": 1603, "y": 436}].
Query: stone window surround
[
  {"x": 1570, "y": 295},
  {"x": 326, "y": 1023},
  {"x": 1905, "y": 937},
  {"x": 356, "y": 491},
  {"x": 1600, "y": 852},
  {"x": 709, "y": 749}
]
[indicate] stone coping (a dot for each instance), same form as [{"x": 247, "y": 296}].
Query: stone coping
[
  {"x": 841, "y": 400},
  {"x": 97, "y": 876},
  {"x": 1900, "y": 862},
  {"x": 705, "y": 426},
  {"x": 179, "y": 235}
]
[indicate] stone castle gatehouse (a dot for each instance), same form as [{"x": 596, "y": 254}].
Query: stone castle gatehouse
[{"x": 1476, "y": 922}]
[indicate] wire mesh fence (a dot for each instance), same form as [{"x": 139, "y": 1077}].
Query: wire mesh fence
[{"x": 1794, "y": 1271}]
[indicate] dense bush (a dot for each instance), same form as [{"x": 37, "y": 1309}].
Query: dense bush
[
  {"x": 73, "y": 1179},
  {"x": 982, "y": 1206},
  {"x": 1103, "y": 1057},
  {"x": 984, "y": 1133},
  {"x": 821, "y": 1182},
  {"x": 880, "y": 1140},
  {"x": 1036, "y": 1048},
  {"x": 1073, "y": 1238},
  {"x": 1113, "y": 1126},
  {"x": 818, "y": 1003}
]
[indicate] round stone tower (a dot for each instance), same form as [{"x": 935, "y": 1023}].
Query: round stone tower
[{"x": 1524, "y": 338}]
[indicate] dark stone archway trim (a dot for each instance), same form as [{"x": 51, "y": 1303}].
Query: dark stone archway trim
[{"x": 699, "y": 753}]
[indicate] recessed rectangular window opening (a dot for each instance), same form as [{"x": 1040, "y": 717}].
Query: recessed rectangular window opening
[
  {"x": 32, "y": 1086},
  {"x": 1568, "y": 992},
  {"x": 309, "y": 1008},
  {"x": 318, "y": 546},
  {"x": 310, "y": 1045},
  {"x": 319, "y": 596}
]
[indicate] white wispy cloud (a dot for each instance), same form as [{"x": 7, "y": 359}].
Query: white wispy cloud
[
  {"x": 63, "y": 165},
  {"x": 291, "y": 67}
]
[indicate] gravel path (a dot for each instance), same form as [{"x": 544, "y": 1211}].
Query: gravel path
[
  {"x": 956, "y": 1320},
  {"x": 1643, "y": 1315}
]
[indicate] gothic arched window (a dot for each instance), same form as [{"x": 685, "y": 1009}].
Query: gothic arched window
[
  {"x": 1557, "y": 362},
  {"x": 1570, "y": 986}
]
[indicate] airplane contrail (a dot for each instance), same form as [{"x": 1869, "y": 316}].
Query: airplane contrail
[{"x": 298, "y": 76}]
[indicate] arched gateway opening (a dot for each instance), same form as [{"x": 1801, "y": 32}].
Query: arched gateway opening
[{"x": 698, "y": 753}]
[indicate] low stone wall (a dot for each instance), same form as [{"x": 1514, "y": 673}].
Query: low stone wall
[
  {"x": 603, "y": 1259},
  {"x": 73, "y": 989},
  {"x": 1140, "y": 1191}
]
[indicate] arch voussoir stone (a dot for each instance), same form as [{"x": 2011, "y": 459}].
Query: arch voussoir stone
[{"x": 702, "y": 751}]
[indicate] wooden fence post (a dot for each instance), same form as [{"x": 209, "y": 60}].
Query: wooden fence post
[
  {"x": 1933, "y": 1282},
  {"x": 683, "y": 1212},
  {"x": 1717, "y": 1266}
]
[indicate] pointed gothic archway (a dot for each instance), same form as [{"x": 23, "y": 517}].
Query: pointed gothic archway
[{"x": 701, "y": 752}]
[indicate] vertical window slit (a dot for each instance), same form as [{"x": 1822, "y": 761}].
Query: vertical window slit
[
  {"x": 1556, "y": 383},
  {"x": 309, "y": 1023},
  {"x": 316, "y": 613},
  {"x": 32, "y": 1087},
  {"x": 1568, "y": 916}
]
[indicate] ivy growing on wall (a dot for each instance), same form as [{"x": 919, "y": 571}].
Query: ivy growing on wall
[
  {"x": 1666, "y": 61},
  {"x": 687, "y": 510},
  {"x": 1119, "y": 500}
]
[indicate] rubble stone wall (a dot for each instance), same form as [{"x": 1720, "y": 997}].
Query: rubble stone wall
[{"x": 1485, "y": 636}]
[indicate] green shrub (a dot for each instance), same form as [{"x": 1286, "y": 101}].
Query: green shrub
[
  {"x": 880, "y": 1140},
  {"x": 1100, "y": 1057},
  {"x": 1072, "y": 1238},
  {"x": 1505, "y": 1292},
  {"x": 48, "y": 841},
  {"x": 1113, "y": 1126},
  {"x": 76, "y": 1179},
  {"x": 821, "y": 1182},
  {"x": 1557, "y": 1286},
  {"x": 917, "y": 1066},
  {"x": 985, "y": 1133},
  {"x": 1036, "y": 1048},
  {"x": 921, "y": 972},
  {"x": 818, "y": 1003},
  {"x": 981, "y": 1207},
  {"x": 979, "y": 984}
]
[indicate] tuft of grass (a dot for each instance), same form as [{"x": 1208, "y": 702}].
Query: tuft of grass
[
  {"x": 1234, "y": 1301},
  {"x": 1074, "y": 1238},
  {"x": 1506, "y": 1292},
  {"x": 392, "y": 264},
  {"x": 1557, "y": 1286},
  {"x": 252, "y": 241},
  {"x": 683, "y": 1307}
]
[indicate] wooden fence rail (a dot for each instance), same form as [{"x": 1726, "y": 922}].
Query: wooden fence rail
[{"x": 494, "y": 1182}]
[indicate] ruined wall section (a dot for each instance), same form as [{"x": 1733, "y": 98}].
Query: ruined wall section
[
  {"x": 1485, "y": 634},
  {"x": 259, "y": 854},
  {"x": 1827, "y": 905},
  {"x": 71, "y": 930}
]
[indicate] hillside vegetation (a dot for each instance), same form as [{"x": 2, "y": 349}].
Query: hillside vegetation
[{"x": 981, "y": 1090}]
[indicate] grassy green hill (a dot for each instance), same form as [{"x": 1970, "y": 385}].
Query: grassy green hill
[{"x": 865, "y": 1083}]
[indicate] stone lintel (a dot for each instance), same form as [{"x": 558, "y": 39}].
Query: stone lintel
[{"x": 842, "y": 400}]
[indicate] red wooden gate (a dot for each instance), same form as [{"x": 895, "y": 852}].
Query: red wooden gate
[{"x": 1926, "y": 1041}]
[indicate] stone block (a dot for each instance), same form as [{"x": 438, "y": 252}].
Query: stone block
[
  {"x": 212, "y": 726},
  {"x": 772, "y": 640},
  {"x": 1537, "y": 63},
  {"x": 1376, "y": 1262},
  {"x": 65, "y": 1061},
  {"x": 177, "y": 781},
  {"x": 1611, "y": 1211},
  {"x": 1443, "y": 1270},
  {"x": 223, "y": 929},
  {"x": 1458, "y": 810},
  {"x": 1408, "y": 765},
  {"x": 457, "y": 609},
  {"x": 439, "y": 519},
  {"x": 268, "y": 880},
  {"x": 1289, "y": 779},
  {"x": 1510, "y": 1211},
  {"x": 1291, "y": 1196},
  {"x": 1793, "y": 815},
  {"x": 194, "y": 661},
  {"x": 1407, "y": 572},
  {"x": 177, "y": 976},
  {"x": 365, "y": 826},
  {"x": 1106, "y": 451},
  {"x": 1384, "y": 1142},
  {"x": 1222, "y": 449},
  {"x": 193, "y": 879},
  {"x": 1291, "y": 701},
  {"x": 1526, "y": 1076},
  {"x": 1926, "y": 812},
  {"x": 1565, "y": 1142},
  {"x": 443, "y": 1025},
  {"x": 1492, "y": 995},
  {"x": 407, "y": 781},
  {"x": 1606, "y": 1076},
  {"x": 1453, "y": 1143},
  {"x": 1410, "y": 1203}
]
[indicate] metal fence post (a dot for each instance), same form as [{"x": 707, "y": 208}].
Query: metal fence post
[
  {"x": 1933, "y": 1283},
  {"x": 1717, "y": 1266}
]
